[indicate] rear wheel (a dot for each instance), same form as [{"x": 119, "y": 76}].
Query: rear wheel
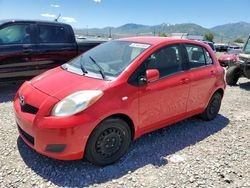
[
  {"x": 213, "y": 107},
  {"x": 109, "y": 141},
  {"x": 232, "y": 75}
]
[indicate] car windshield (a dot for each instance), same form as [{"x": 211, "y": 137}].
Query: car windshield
[
  {"x": 234, "y": 52},
  {"x": 107, "y": 60},
  {"x": 247, "y": 47}
]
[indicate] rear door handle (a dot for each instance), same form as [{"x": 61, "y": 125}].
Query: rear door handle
[
  {"x": 184, "y": 81},
  {"x": 213, "y": 72},
  {"x": 27, "y": 48},
  {"x": 66, "y": 48}
]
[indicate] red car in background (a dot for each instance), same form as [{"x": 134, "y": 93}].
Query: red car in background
[
  {"x": 97, "y": 103},
  {"x": 229, "y": 57}
]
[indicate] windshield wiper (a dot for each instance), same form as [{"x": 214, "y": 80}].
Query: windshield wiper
[
  {"x": 84, "y": 71},
  {"x": 100, "y": 68}
]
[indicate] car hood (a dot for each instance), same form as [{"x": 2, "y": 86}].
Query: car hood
[
  {"x": 225, "y": 56},
  {"x": 60, "y": 83},
  {"x": 244, "y": 56}
]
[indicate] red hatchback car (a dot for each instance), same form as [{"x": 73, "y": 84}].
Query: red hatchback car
[
  {"x": 229, "y": 57},
  {"x": 94, "y": 105}
]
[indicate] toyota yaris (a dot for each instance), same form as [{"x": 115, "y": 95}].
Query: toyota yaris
[{"x": 97, "y": 103}]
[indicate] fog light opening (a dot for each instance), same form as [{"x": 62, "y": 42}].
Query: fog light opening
[{"x": 56, "y": 148}]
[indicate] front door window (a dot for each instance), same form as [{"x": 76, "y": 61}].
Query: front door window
[
  {"x": 167, "y": 60},
  {"x": 15, "y": 34}
]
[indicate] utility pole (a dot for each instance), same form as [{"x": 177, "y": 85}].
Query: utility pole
[
  {"x": 110, "y": 35},
  {"x": 221, "y": 37}
]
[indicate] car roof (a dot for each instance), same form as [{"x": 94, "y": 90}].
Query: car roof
[
  {"x": 29, "y": 21},
  {"x": 156, "y": 40}
]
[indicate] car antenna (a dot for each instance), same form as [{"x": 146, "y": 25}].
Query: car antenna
[{"x": 56, "y": 20}]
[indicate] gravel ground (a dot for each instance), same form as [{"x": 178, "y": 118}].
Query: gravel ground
[{"x": 191, "y": 153}]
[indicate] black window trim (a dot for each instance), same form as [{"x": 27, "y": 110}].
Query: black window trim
[{"x": 187, "y": 58}]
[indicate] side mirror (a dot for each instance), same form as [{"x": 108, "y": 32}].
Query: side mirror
[{"x": 152, "y": 75}]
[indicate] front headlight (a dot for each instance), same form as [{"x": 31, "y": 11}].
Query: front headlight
[{"x": 76, "y": 102}]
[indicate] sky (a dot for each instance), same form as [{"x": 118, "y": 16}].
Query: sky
[{"x": 102, "y": 13}]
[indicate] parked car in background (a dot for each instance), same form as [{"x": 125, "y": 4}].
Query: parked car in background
[
  {"x": 221, "y": 47},
  {"x": 211, "y": 44},
  {"x": 234, "y": 48},
  {"x": 231, "y": 56},
  {"x": 28, "y": 48},
  {"x": 97, "y": 103}
]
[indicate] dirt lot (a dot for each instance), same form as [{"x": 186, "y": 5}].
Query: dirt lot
[{"x": 191, "y": 153}]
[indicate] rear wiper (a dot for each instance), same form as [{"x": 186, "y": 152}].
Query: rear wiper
[
  {"x": 84, "y": 71},
  {"x": 100, "y": 68}
]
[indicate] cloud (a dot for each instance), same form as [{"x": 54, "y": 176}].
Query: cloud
[
  {"x": 48, "y": 15},
  {"x": 63, "y": 18},
  {"x": 97, "y": 1},
  {"x": 55, "y": 5},
  {"x": 68, "y": 19}
]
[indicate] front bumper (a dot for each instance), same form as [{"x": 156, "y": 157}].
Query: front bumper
[{"x": 61, "y": 138}]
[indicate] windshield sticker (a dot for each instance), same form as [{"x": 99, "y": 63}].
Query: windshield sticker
[{"x": 139, "y": 45}]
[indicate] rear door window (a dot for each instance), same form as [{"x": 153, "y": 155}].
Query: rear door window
[
  {"x": 53, "y": 34},
  {"x": 15, "y": 34},
  {"x": 197, "y": 56}
]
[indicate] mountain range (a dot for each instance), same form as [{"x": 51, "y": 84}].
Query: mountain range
[{"x": 226, "y": 32}]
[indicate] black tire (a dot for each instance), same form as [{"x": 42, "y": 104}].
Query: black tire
[
  {"x": 212, "y": 108},
  {"x": 246, "y": 70},
  {"x": 232, "y": 75},
  {"x": 109, "y": 141}
]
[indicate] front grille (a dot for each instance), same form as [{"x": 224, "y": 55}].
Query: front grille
[
  {"x": 29, "y": 138},
  {"x": 29, "y": 109}
]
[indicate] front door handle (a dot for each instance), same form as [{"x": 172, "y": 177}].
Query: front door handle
[{"x": 27, "y": 51}]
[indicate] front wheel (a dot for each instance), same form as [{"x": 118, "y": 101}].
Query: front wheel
[
  {"x": 213, "y": 107},
  {"x": 109, "y": 141},
  {"x": 232, "y": 75}
]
